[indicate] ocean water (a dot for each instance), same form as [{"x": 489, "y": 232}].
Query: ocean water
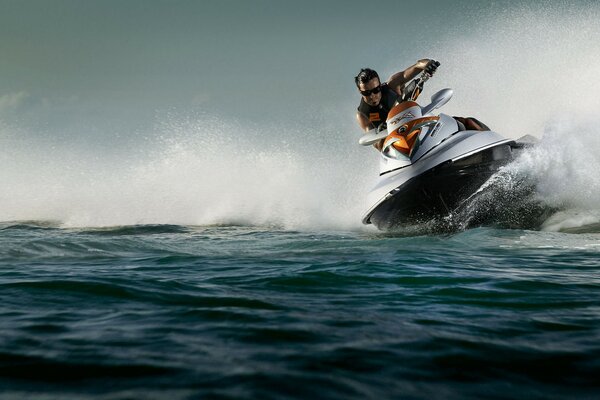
[{"x": 181, "y": 312}]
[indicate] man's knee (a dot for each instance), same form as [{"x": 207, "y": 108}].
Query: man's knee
[{"x": 472, "y": 124}]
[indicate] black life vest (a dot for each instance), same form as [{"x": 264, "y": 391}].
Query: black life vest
[{"x": 378, "y": 114}]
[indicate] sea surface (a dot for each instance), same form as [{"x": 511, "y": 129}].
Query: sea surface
[
  {"x": 247, "y": 312},
  {"x": 181, "y": 193}
]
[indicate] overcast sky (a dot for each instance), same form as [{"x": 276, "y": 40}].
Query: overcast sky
[{"x": 117, "y": 64}]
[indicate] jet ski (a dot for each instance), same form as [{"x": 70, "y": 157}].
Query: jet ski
[{"x": 430, "y": 164}]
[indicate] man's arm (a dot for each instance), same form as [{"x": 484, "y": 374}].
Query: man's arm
[
  {"x": 397, "y": 81},
  {"x": 366, "y": 126},
  {"x": 364, "y": 122}
]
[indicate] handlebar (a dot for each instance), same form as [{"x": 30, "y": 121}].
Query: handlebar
[{"x": 415, "y": 87}]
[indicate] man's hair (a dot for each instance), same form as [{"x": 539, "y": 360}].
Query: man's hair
[{"x": 365, "y": 75}]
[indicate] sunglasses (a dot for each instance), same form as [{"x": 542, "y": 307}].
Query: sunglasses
[{"x": 368, "y": 92}]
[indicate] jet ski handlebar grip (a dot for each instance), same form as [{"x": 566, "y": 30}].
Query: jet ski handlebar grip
[{"x": 431, "y": 67}]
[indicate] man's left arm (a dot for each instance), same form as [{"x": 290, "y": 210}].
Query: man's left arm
[{"x": 397, "y": 81}]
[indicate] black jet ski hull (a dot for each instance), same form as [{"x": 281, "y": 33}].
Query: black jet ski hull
[{"x": 440, "y": 190}]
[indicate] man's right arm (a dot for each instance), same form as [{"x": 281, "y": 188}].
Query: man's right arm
[
  {"x": 366, "y": 126},
  {"x": 364, "y": 122}
]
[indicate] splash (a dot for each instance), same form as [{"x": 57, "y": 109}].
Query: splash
[
  {"x": 522, "y": 67},
  {"x": 550, "y": 186},
  {"x": 198, "y": 172},
  {"x": 565, "y": 166}
]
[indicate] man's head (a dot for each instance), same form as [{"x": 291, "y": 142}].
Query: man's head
[{"x": 369, "y": 86}]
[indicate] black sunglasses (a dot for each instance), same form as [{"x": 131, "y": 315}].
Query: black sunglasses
[{"x": 368, "y": 92}]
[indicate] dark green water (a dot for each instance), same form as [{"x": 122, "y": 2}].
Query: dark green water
[{"x": 243, "y": 312}]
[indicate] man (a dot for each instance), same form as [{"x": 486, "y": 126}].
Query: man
[{"x": 378, "y": 98}]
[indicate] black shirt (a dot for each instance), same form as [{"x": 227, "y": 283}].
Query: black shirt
[{"x": 378, "y": 114}]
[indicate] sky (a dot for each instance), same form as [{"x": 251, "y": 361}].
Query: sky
[
  {"x": 126, "y": 61},
  {"x": 100, "y": 67}
]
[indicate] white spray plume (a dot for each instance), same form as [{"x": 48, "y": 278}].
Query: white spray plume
[
  {"x": 194, "y": 173},
  {"x": 521, "y": 67}
]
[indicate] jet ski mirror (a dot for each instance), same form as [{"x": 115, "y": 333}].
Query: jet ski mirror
[
  {"x": 437, "y": 100},
  {"x": 372, "y": 137}
]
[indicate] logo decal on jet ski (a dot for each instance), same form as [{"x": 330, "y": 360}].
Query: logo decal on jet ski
[{"x": 400, "y": 118}]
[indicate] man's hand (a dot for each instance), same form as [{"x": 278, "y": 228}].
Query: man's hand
[{"x": 431, "y": 67}]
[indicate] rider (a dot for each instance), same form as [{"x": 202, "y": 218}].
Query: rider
[{"x": 378, "y": 98}]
